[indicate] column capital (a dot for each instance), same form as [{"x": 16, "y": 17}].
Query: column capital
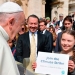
[{"x": 60, "y": 5}]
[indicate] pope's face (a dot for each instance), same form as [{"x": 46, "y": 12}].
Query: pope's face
[{"x": 17, "y": 25}]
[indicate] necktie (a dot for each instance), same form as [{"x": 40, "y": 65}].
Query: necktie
[
  {"x": 32, "y": 53},
  {"x": 33, "y": 48}
]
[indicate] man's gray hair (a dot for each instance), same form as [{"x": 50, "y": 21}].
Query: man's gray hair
[{"x": 5, "y": 16}]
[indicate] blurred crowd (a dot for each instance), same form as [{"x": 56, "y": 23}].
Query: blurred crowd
[{"x": 54, "y": 27}]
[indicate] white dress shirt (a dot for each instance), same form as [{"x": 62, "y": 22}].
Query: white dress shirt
[
  {"x": 44, "y": 31},
  {"x": 61, "y": 23}
]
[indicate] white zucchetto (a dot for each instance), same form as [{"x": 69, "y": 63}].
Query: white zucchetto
[{"x": 10, "y": 7}]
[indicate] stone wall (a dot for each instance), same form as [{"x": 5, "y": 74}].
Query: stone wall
[{"x": 37, "y": 7}]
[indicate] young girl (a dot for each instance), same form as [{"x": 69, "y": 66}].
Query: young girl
[{"x": 67, "y": 44}]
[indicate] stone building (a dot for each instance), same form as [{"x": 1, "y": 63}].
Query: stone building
[{"x": 44, "y": 8}]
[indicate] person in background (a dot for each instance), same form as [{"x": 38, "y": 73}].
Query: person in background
[
  {"x": 44, "y": 18},
  {"x": 11, "y": 20},
  {"x": 43, "y": 30},
  {"x": 23, "y": 30},
  {"x": 57, "y": 29},
  {"x": 67, "y": 25},
  {"x": 49, "y": 22},
  {"x": 54, "y": 21},
  {"x": 60, "y": 22},
  {"x": 13, "y": 48},
  {"x": 52, "y": 30}
]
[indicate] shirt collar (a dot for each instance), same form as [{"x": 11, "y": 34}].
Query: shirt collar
[
  {"x": 32, "y": 33},
  {"x": 4, "y": 33},
  {"x": 44, "y": 31}
]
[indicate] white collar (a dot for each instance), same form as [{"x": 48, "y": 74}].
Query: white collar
[
  {"x": 44, "y": 31},
  {"x": 31, "y": 32},
  {"x": 4, "y": 33}
]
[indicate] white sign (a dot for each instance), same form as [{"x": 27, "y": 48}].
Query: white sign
[{"x": 52, "y": 63}]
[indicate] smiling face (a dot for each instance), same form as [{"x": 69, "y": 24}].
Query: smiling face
[
  {"x": 68, "y": 25},
  {"x": 67, "y": 42},
  {"x": 33, "y": 24}
]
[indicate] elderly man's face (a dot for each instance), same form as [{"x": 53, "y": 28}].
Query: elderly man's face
[
  {"x": 61, "y": 18},
  {"x": 17, "y": 25}
]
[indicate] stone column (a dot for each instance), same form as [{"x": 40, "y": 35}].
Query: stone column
[
  {"x": 54, "y": 12},
  {"x": 43, "y": 8},
  {"x": 66, "y": 7},
  {"x": 25, "y": 6},
  {"x": 35, "y": 7},
  {"x": 63, "y": 7}
]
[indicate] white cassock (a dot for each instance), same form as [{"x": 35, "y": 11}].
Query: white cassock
[{"x": 7, "y": 63}]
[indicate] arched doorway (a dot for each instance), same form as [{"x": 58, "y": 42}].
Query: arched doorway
[{"x": 48, "y": 8}]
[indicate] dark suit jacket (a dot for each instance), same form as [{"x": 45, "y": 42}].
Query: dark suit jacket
[
  {"x": 50, "y": 40},
  {"x": 23, "y": 45},
  {"x": 58, "y": 22},
  {"x": 74, "y": 25},
  {"x": 58, "y": 46}
]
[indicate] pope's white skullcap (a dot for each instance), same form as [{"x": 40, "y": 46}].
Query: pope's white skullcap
[{"x": 10, "y": 7}]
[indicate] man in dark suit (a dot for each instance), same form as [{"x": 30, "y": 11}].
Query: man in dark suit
[
  {"x": 60, "y": 22},
  {"x": 42, "y": 28},
  {"x": 23, "y": 46}
]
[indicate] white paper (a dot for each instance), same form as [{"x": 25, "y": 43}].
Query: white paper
[{"x": 52, "y": 63}]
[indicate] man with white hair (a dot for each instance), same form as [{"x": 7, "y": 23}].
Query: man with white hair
[{"x": 11, "y": 20}]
